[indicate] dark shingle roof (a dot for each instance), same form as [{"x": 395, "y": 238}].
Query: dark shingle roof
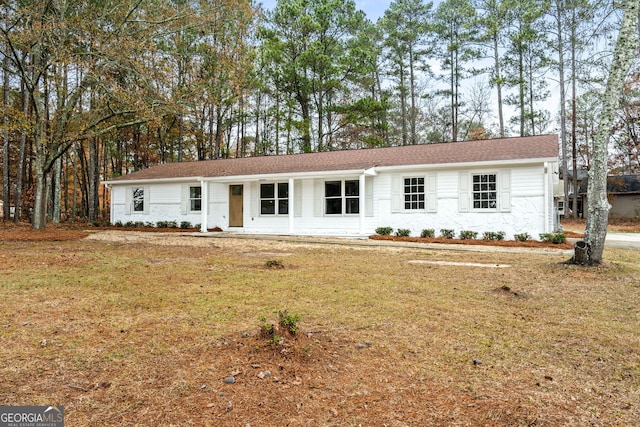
[
  {"x": 617, "y": 184},
  {"x": 503, "y": 149}
]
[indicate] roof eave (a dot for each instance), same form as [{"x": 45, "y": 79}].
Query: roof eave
[{"x": 153, "y": 180}]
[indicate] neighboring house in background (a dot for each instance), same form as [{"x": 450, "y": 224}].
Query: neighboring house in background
[
  {"x": 623, "y": 193},
  {"x": 491, "y": 185},
  {"x": 581, "y": 204}
]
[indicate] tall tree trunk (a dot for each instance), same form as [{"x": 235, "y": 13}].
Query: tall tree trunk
[
  {"x": 563, "y": 99},
  {"x": 56, "y": 191},
  {"x": 403, "y": 105},
  {"x": 590, "y": 251},
  {"x": 496, "y": 56},
  {"x": 6, "y": 176},
  {"x": 306, "y": 125},
  {"x": 412, "y": 94},
  {"x": 39, "y": 220},
  {"x": 454, "y": 125},
  {"x": 574, "y": 119},
  {"x": 21, "y": 159},
  {"x": 521, "y": 88},
  {"x": 93, "y": 200}
]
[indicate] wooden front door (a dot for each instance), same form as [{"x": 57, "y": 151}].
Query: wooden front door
[{"x": 235, "y": 206}]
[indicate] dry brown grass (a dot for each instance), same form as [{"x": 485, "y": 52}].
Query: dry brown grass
[{"x": 143, "y": 334}]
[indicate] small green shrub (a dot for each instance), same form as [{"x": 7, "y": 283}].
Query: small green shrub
[
  {"x": 185, "y": 224},
  {"x": 149, "y": 224},
  {"x": 428, "y": 233},
  {"x": 493, "y": 235},
  {"x": 468, "y": 235},
  {"x": 162, "y": 224},
  {"x": 384, "y": 231},
  {"x": 130, "y": 224},
  {"x": 555, "y": 238},
  {"x": 118, "y": 224},
  {"x": 403, "y": 232},
  {"x": 289, "y": 322},
  {"x": 522, "y": 237},
  {"x": 447, "y": 233}
]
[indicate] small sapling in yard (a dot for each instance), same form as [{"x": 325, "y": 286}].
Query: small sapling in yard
[{"x": 289, "y": 322}]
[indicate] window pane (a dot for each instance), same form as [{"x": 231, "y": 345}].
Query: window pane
[
  {"x": 195, "y": 192},
  {"x": 138, "y": 205},
  {"x": 267, "y": 191},
  {"x": 196, "y": 205},
  {"x": 333, "y": 189},
  {"x": 485, "y": 191},
  {"x": 353, "y": 205},
  {"x": 333, "y": 206},
  {"x": 138, "y": 199},
  {"x": 283, "y": 206},
  {"x": 351, "y": 188},
  {"x": 283, "y": 190},
  {"x": 267, "y": 207},
  {"x": 414, "y": 193}
]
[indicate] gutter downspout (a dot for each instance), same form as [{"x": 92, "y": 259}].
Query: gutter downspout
[{"x": 204, "y": 188}]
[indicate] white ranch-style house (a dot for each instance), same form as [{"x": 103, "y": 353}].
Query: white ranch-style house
[{"x": 490, "y": 185}]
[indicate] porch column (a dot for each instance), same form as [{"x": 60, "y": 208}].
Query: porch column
[
  {"x": 292, "y": 204},
  {"x": 204, "y": 205},
  {"x": 362, "y": 200}
]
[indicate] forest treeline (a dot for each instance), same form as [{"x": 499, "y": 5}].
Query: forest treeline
[{"x": 101, "y": 88}]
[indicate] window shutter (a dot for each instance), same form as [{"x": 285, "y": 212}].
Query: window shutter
[
  {"x": 368, "y": 190},
  {"x": 396, "y": 193},
  {"x": 254, "y": 199},
  {"x": 463, "y": 192},
  {"x": 504, "y": 182},
  {"x": 147, "y": 194},
  {"x": 431, "y": 188},
  {"x": 318, "y": 197},
  {"x": 184, "y": 199},
  {"x": 297, "y": 198},
  {"x": 128, "y": 201}
]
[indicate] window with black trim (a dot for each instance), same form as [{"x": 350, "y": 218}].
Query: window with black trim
[
  {"x": 414, "y": 193},
  {"x": 274, "y": 199},
  {"x": 342, "y": 197},
  {"x": 485, "y": 191},
  {"x": 137, "y": 200},
  {"x": 195, "y": 199}
]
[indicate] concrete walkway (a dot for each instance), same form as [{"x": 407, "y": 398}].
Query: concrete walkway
[{"x": 622, "y": 240}]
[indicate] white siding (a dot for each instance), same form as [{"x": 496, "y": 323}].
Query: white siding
[{"x": 530, "y": 206}]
